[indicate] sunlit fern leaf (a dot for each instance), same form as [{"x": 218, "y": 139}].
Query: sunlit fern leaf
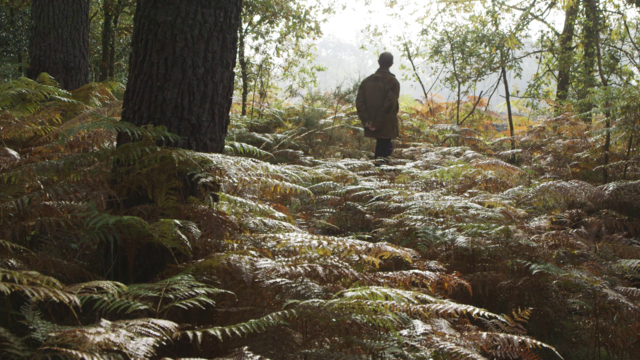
[
  {"x": 35, "y": 286},
  {"x": 242, "y": 149},
  {"x": 545, "y": 268},
  {"x": 562, "y": 195},
  {"x": 615, "y": 296},
  {"x": 137, "y": 338},
  {"x": 509, "y": 342},
  {"x": 629, "y": 291},
  {"x": 243, "y": 329},
  {"x": 630, "y": 265},
  {"x": 379, "y": 301},
  {"x": 93, "y": 287},
  {"x": 266, "y": 225},
  {"x": 368, "y": 253},
  {"x": 323, "y": 269},
  {"x": 178, "y": 292},
  {"x": 234, "y": 204},
  {"x": 454, "y": 348}
]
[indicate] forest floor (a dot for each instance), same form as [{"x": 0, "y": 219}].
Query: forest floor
[{"x": 294, "y": 245}]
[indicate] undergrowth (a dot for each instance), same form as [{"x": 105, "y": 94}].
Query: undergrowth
[{"x": 293, "y": 245}]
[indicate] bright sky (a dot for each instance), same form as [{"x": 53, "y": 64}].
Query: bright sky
[{"x": 347, "y": 25}]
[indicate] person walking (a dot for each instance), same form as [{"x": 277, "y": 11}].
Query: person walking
[{"x": 377, "y": 105}]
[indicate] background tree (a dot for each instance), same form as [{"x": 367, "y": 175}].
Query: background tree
[
  {"x": 60, "y": 41},
  {"x": 15, "y": 18},
  {"x": 276, "y": 35},
  {"x": 181, "y": 71},
  {"x": 112, "y": 11}
]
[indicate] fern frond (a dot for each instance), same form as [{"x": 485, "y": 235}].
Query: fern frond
[
  {"x": 245, "y": 328},
  {"x": 514, "y": 343},
  {"x": 242, "y": 149},
  {"x": 137, "y": 338},
  {"x": 35, "y": 286},
  {"x": 13, "y": 346}
]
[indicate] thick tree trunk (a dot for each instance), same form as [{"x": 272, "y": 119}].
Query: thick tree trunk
[
  {"x": 181, "y": 72},
  {"x": 565, "y": 57},
  {"x": 60, "y": 41},
  {"x": 107, "y": 39}
]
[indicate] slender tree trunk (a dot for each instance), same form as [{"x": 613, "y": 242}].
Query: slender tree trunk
[
  {"x": 181, "y": 73},
  {"x": 593, "y": 9},
  {"x": 244, "y": 73},
  {"x": 565, "y": 57},
  {"x": 60, "y": 41},
  {"x": 107, "y": 39},
  {"x": 114, "y": 37},
  {"x": 626, "y": 166},
  {"x": 509, "y": 114},
  {"x": 415, "y": 72},
  {"x": 588, "y": 64}
]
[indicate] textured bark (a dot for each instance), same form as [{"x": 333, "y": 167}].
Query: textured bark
[
  {"x": 60, "y": 41},
  {"x": 565, "y": 57},
  {"x": 588, "y": 64},
  {"x": 107, "y": 39},
  {"x": 181, "y": 72},
  {"x": 244, "y": 74}
]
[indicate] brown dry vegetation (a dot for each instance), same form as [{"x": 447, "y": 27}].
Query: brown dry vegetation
[{"x": 294, "y": 246}]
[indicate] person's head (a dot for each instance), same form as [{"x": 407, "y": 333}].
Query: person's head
[{"x": 385, "y": 60}]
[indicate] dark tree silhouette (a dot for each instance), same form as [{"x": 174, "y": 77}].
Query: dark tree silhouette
[
  {"x": 181, "y": 72},
  {"x": 60, "y": 41}
]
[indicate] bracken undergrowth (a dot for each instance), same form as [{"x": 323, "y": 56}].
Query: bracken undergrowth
[{"x": 293, "y": 245}]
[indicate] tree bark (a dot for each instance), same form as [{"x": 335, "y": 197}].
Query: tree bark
[
  {"x": 565, "y": 58},
  {"x": 60, "y": 41},
  {"x": 107, "y": 39},
  {"x": 244, "y": 72},
  {"x": 588, "y": 64},
  {"x": 593, "y": 9},
  {"x": 182, "y": 69},
  {"x": 626, "y": 166},
  {"x": 509, "y": 114}
]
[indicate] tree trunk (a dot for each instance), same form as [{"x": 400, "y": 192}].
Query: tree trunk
[
  {"x": 181, "y": 73},
  {"x": 244, "y": 73},
  {"x": 565, "y": 58},
  {"x": 588, "y": 65},
  {"x": 107, "y": 39},
  {"x": 112, "y": 50},
  {"x": 593, "y": 9},
  {"x": 60, "y": 41},
  {"x": 626, "y": 165},
  {"x": 415, "y": 72},
  {"x": 509, "y": 114}
]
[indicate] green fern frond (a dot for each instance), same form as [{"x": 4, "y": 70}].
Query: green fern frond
[
  {"x": 136, "y": 338},
  {"x": 12, "y": 346},
  {"x": 546, "y": 268},
  {"x": 508, "y": 342},
  {"x": 242, "y": 149},
  {"x": 35, "y": 286},
  {"x": 242, "y": 329}
]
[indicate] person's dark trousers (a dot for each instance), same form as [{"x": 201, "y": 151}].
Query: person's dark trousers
[{"x": 383, "y": 148}]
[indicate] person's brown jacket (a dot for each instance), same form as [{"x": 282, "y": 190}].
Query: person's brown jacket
[{"x": 377, "y": 104}]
